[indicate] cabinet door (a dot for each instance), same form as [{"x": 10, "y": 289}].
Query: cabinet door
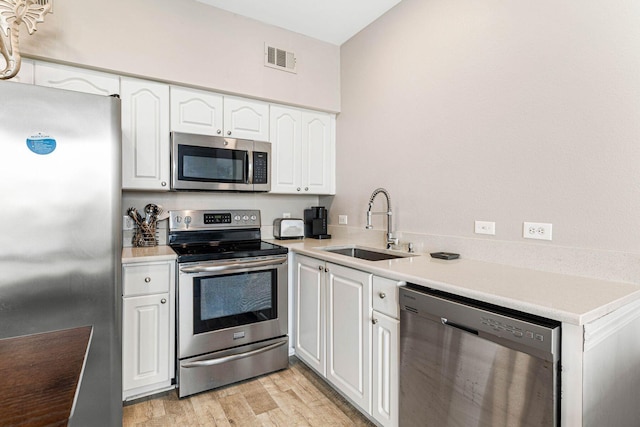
[
  {"x": 145, "y": 135},
  {"x": 349, "y": 332},
  {"x": 309, "y": 312},
  {"x": 145, "y": 340},
  {"x": 286, "y": 150},
  {"x": 76, "y": 79},
  {"x": 246, "y": 119},
  {"x": 25, "y": 75},
  {"x": 318, "y": 167},
  {"x": 384, "y": 378},
  {"x": 196, "y": 111}
]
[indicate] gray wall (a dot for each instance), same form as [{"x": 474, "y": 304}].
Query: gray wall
[
  {"x": 499, "y": 111},
  {"x": 190, "y": 43}
]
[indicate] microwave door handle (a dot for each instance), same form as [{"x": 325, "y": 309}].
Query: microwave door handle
[
  {"x": 250, "y": 167},
  {"x": 219, "y": 360},
  {"x": 234, "y": 265}
]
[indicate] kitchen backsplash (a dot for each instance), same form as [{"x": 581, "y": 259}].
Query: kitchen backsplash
[{"x": 599, "y": 264}]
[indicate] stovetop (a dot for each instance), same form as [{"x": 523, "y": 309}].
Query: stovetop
[{"x": 225, "y": 250}]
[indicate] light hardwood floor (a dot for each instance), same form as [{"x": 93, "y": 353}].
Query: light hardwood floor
[{"x": 292, "y": 397}]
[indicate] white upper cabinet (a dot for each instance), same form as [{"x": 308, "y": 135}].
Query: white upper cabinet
[
  {"x": 76, "y": 79},
  {"x": 196, "y": 111},
  {"x": 25, "y": 75},
  {"x": 303, "y": 151},
  {"x": 209, "y": 113},
  {"x": 286, "y": 150},
  {"x": 246, "y": 119},
  {"x": 145, "y": 135},
  {"x": 318, "y": 158}
]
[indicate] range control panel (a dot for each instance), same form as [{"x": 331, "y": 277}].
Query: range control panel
[{"x": 186, "y": 220}]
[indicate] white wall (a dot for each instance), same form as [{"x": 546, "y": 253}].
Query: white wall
[
  {"x": 190, "y": 43},
  {"x": 499, "y": 111}
]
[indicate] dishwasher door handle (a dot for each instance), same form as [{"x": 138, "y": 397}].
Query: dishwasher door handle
[{"x": 446, "y": 322}]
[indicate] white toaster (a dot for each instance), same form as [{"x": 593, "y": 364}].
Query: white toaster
[{"x": 288, "y": 228}]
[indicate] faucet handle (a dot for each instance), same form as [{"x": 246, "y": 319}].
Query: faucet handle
[{"x": 410, "y": 247}]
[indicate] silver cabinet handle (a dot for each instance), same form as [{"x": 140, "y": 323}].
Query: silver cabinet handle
[
  {"x": 374, "y": 321},
  {"x": 210, "y": 362},
  {"x": 320, "y": 268},
  {"x": 219, "y": 131},
  {"x": 326, "y": 270},
  {"x": 163, "y": 183},
  {"x": 306, "y": 188},
  {"x": 163, "y": 301},
  {"x": 228, "y": 132},
  {"x": 382, "y": 295},
  {"x": 147, "y": 279},
  {"x": 298, "y": 189},
  {"x": 232, "y": 265}
]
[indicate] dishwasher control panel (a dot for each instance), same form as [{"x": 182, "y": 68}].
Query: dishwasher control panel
[{"x": 482, "y": 319}]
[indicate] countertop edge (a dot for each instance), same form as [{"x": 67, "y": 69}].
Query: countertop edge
[{"x": 401, "y": 271}]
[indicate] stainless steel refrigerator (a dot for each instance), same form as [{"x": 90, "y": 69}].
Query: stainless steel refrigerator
[{"x": 60, "y": 230}]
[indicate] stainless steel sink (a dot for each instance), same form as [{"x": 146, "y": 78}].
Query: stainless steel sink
[{"x": 364, "y": 253}]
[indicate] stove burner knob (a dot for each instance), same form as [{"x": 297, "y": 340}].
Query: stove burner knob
[
  {"x": 236, "y": 218},
  {"x": 187, "y": 221},
  {"x": 246, "y": 218},
  {"x": 178, "y": 219},
  {"x": 253, "y": 217}
]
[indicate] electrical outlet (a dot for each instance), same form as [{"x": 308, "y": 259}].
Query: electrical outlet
[
  {"x": 485, "y": 227},
  {"x": 342, "y": 219},
  {"x": 537, "y": 230},
  {"x": 127, "y": 223},
  {"x": 286, "y": 215}
]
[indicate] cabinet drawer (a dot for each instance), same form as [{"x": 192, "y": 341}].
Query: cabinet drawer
[
  {"x": 143, "y": 279},
  {"x": 385, "y": 296}
]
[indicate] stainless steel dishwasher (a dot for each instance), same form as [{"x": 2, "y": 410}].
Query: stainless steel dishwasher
[{"x": 470, "y": 364}]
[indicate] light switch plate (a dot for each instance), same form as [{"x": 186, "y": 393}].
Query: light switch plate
[{"x": 485, "y": 227}]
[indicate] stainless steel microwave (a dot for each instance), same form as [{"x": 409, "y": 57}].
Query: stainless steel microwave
[{"x": 202, "y": 162}]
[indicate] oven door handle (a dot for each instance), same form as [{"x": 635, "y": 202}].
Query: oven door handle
[
  {"x": 224, "y": 359},
  {"x": 233, "y": 265}
]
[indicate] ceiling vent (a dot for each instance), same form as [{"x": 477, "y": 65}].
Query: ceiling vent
[
  {"x": 45, "y": 2},
  {"x": 279, "y": 59}
]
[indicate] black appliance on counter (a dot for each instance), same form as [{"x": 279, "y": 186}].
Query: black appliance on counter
[{"x": 315, "y": 223}]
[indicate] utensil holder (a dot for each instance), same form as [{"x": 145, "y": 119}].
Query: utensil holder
[{"x": 145, "y": 235}]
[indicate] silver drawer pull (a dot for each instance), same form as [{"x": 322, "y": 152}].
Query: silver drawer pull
[
  {"x": 382, "y": 295},
  {"x": 163, "y": 301},
  {"x": 224, "y": 359},
  {"x": 374, "y": 321},
  {"x": 147, "y": 279}
]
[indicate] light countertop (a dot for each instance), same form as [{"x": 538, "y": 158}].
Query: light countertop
[
  {"x": 150, "y": 254},
  {"x": 571, "y": 299}
]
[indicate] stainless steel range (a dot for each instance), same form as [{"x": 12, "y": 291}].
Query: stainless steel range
[{"x": 232, "y": 299}]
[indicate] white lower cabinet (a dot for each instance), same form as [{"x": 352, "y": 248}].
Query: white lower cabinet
[
  {"x": 349, "y": 332},
  {"x": 309, "y": 307},
  {"x": 384, "y": 374},
  {"x": 148, "y": 343},
  {"x": 347, "y": 329}
]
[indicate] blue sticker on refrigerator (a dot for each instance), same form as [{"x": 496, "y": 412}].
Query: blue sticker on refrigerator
[{"x": 41, "y": 144}]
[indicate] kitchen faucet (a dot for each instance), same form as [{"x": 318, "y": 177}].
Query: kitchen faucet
[{"x": 390, "y": 239}]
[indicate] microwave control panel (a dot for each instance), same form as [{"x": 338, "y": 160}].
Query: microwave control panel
[{"x": 260, "y": 169}]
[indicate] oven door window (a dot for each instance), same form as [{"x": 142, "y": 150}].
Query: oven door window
[
  {"x": 212, "y": 164},
  {"x": 229, "y": 300}
]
